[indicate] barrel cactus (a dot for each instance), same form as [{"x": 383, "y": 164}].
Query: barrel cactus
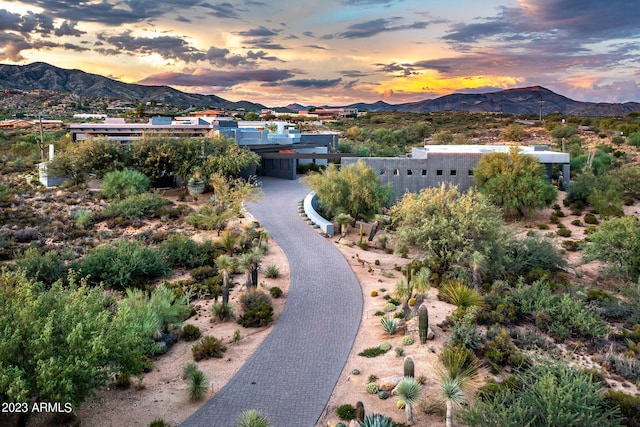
[
  {"x": 383, "y": 395},
  {"x": 372, "y": 388},
  {"x": 423, "y": 323},
  {"x": 408, "y": 367}
]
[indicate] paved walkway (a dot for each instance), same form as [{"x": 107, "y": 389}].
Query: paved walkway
[{"x": 292, "y": 374}]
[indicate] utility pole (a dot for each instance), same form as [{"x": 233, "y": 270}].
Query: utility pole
[
  {"x": 41, "y": 144},
  {"x": 541, "y": 102}
]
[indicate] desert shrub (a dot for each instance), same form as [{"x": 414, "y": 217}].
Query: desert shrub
[
  {"x": 375, "y": 351},
  {"x": 257, "y": 316},
  {"x": 407, "y": 340},
  {"x": 275, "y": 292},
  {"x": 198, "y": 385},
  {"x": 222, "y": 311},
  {"x": 591, "y": 219},
  {"x": 138, "y": 206},
  {"x": 208, "y": 347},
  {"x": 159, "y": 422},
  {"x": 272, "y": 272},
  {"x": 554, "y": 218},
  {"x": 563, "y": 232},
  {"x": 252, "y": 418},
  {"x": 389, "y": 307},
  {"x": 576, "y": 222},
  {"x": 546, "y": 394},
  {"x": 571, "y": 245},
  {"x": 531, "y": 253},
  {"x": 542, "y": 226},
  {"x": 346, "y": 412},
  {"x": 179, "y": 250},
  {"x": 628, "y": 404},
  {"x": 42, "y": 267},
  {"x": 127, "y": 263},
  {"x": 83, "y": 219},
  {"x": 254, "y": 298},
  {"x": 465, "y": 332},
  {"x": 399, "y": 351},
  {"x": 500, "y": 350},
  {"x": 625, "y": 366},
  {"x": 190, "y": 332},
  {"x": 123, "y": 183},
  {"x": 203, "y": 273}
]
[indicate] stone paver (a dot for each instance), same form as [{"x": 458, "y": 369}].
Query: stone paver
[{"x": 292, "y": 374}]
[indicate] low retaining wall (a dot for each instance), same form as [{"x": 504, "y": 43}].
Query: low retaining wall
[{"x": 309, "y": 209}]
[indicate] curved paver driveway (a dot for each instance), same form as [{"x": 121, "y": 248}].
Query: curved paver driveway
[{"x": 292, "y": 374}]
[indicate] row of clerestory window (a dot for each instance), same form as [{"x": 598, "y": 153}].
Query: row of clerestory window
[{"x": 439, "y": 172}]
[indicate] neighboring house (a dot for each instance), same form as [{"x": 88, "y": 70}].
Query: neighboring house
[{"x": 432, "y": 165}]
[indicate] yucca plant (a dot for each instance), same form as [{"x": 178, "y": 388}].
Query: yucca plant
[
  {"x": 272, "y": 271},
  {"x": 462, "y": 296},
  {"x": 252, "y": 418},
  {"x": 198, "y": 385},
  {"x": 408, "y": 391},
  {"x": 376, "y": 420},
  {"x": 188, "y": 370},
  {"x": 458, "y": 374},
  {"x": 389, "y": 324}
]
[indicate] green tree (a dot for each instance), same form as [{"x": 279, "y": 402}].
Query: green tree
[
  {"x": 78, "y": 159},
  {"x": 353, "y": 189},
  {"x": 602, "y": 191},
  {"x": 448, "y": 227},
  {"x": 514, "y": 181},
  {"x": 617, "y": 242},
  {"x": 57, "y": 345},
  {"x": 629, "y": 178},
  {"x": 545, "y": 395},
  {"x": 513, "y": 132},
  {"x": 123, "y": 183}
]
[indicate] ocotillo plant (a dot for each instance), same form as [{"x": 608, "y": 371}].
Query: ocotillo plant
[
  {"x": 423, "y": 323},
  {"x": 408, "y": 367}
]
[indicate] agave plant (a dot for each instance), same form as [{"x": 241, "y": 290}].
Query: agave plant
[
  {"x": 376, "y": 420},
  {"x": 252, "y": 418},
  {"x": 408, "y": 391},
  {"x": 389, "y": 324}
]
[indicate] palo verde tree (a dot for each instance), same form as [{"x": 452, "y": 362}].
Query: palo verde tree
[
  {"x": 61, "y": 344},
  {"x": 353, "y": 189},
  {"x": 449, "y": 227},
  {"x": 514, "y": 182},
  {"x": 617, "y": 242}
]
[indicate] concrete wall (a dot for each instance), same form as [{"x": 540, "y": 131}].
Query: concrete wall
[
  {"x": 412, "y": 175},
  {"x": 310, "y": 206}
]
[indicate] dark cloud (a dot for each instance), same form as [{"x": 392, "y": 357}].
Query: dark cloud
[
  {"x": 261, "y": 55},
  {"x": 353, "y": 73},
  {"x": 258, "y": 32},
  {"x": 217, "y": 77},
  {"x": 10, "y": 21},
  {"x": 377, "y": 26},
  {"x": 68, "y": 28},
  {"x": 168, "y": 47},
  {"x": 222, "y": 10},
  {"x": 315, "y": 46},
  {"x": 181, "y": 18},
  {"x": 566, "y": 22},
  {"x": 394, "y": 68},
  {"x": 368, "y": 2},
  {"x": 314, "y": 83},
  {"x": 255, "y": 3},
  {"x": 350, "y": 84},
  {"x": 265, "y": 43},
  {"x": 309, "y": 34}
]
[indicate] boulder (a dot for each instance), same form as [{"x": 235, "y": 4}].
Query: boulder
[{"x": 389, "y": 383}]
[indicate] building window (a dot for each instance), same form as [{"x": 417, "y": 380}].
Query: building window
[
  {"x": 396, "y": 172},
  {"x": 454, "y": 172},
  {"x": 383, "y": 171},
  {"x": 470, "y": 172},
  {"x": 424, "y": 172},
  {"x": 439, "y": 172},
  {"x": 409, "y": 172}
]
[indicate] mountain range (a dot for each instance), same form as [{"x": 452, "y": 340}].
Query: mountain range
[{"x": 533, "y": 100}]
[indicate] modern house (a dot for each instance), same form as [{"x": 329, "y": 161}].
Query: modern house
[
  {"x": 281, "y": 151},
  {"x": 432, "y": 165}
]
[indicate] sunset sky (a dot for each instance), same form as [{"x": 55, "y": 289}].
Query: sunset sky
[{"x": 335, "y": 52}]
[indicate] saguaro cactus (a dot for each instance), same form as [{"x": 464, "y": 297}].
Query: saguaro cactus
[
  {"x": 408, "y": 367},
  {"x": 423, "y": 323},
  {"x": 360, "y": 411}
]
